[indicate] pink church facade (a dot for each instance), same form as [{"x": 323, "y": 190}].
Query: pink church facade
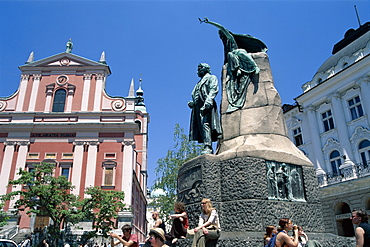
[{"x": 62, "y": 113}]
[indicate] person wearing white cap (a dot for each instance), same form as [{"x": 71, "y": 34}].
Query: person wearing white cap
[{"x": 157, "y": 238}]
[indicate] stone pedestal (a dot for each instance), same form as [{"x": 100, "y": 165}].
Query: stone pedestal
[{"x": 238, "y": 188}]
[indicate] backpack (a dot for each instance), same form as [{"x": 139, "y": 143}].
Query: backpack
[{"x": 272, "y": 241}]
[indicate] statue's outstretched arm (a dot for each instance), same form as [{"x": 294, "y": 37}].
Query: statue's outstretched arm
[{"x": 219, "y": 26}]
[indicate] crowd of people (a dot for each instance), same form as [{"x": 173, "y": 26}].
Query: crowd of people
[
  {"x": 208, "y": 230},
  {"x": 279, "y": 237}
]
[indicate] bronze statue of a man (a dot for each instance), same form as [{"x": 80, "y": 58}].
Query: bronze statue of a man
[{"x": 205, "y": 124}]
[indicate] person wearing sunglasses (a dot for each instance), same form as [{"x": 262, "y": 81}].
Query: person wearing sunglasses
[{"x": 209, "y": 225}]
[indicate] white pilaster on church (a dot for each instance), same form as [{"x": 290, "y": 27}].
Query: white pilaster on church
[
  {"x": 315, "y": 137},
  {"x": 77, "y": 166},
  {"x": 20, "y": 164},
  {"x": 22, "y": 92},
  {"x": 365, "y": 92},
  {"x": 6, "y": 165},
  {"x": 86, "y": 92},
  {"x": 128, "y": 169},
  {"x": 98, "y": 92},
  {"x": 91, "y": 163},
  {"x": 49, "y": 95},
  {"x": 340, "y": 123},
  {"x": 70, "y": 94},
  {"x": 35, "y": 89}
]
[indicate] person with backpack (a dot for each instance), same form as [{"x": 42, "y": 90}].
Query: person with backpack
[
  {"x": 282, "y": 237},
  {"x": 270, "y": 233}
]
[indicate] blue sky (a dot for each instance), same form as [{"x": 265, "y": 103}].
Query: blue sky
[{"x": 162, "y": 42}]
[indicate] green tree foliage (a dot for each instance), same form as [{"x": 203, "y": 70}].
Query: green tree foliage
[
  {"x": 47, "y": 195},
  {"x": 3, "y": 215},
  {"x": 168, "y": 167},
  {"x": 44, "y": 194},
  {"x": 104, "y": 206}
]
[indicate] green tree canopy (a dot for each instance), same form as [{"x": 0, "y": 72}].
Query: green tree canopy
[
  {"x": 168, "y": 167},
  {"x": 51, "y": 196},
  {"x": 3, "y": 216}
]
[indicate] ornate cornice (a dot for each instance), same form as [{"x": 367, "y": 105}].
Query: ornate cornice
[
  {"x": 359, "y": 134},
  {"x": 331, "y": 144}
]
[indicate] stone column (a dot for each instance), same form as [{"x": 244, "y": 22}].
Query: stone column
[
  {"x": 35, "y": 89},
  {"x": 49, "y": 96},
  {"x": 127, "y": 169},
  {"x": 316, "y": 143},
  {"x": 91, "y": 163},
  {"x": 364, "y": 84},
  {"x": 343, "y": 136},
  {"x": 86, "y": 92},
  {"x": 77, "y": 166},
  {"x": 22, "y": 92},
  {"x": 6, "y": 165},
  {"x": 70, "y": 94},
  {"x": 98, "y": 92}
]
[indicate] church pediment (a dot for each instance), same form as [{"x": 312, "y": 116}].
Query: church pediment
[{"x": 63, "y": 59}]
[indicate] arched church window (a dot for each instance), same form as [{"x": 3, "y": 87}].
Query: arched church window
[
  {"x": 59, "y": 100},
  {"x": 335, "y": 162},
  {"x": 364, "y": 149}
]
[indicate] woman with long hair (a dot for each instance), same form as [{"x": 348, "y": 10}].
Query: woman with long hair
[
  {"x": 209, "y": 225},
  {"x": 283, "y": 239}
]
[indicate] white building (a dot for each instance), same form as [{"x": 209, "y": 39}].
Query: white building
[{"x": 330, "y": 123}]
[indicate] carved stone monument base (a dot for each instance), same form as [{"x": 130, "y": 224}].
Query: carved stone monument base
[{"x": 239, "y": 190}]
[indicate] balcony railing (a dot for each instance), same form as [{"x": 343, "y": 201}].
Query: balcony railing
[{"x": 349, "y": 173}]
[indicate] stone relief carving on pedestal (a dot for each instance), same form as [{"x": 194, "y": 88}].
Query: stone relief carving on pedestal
[
  {"x": 188, "y": 184},
  {"x": 285, "y": 181}
]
